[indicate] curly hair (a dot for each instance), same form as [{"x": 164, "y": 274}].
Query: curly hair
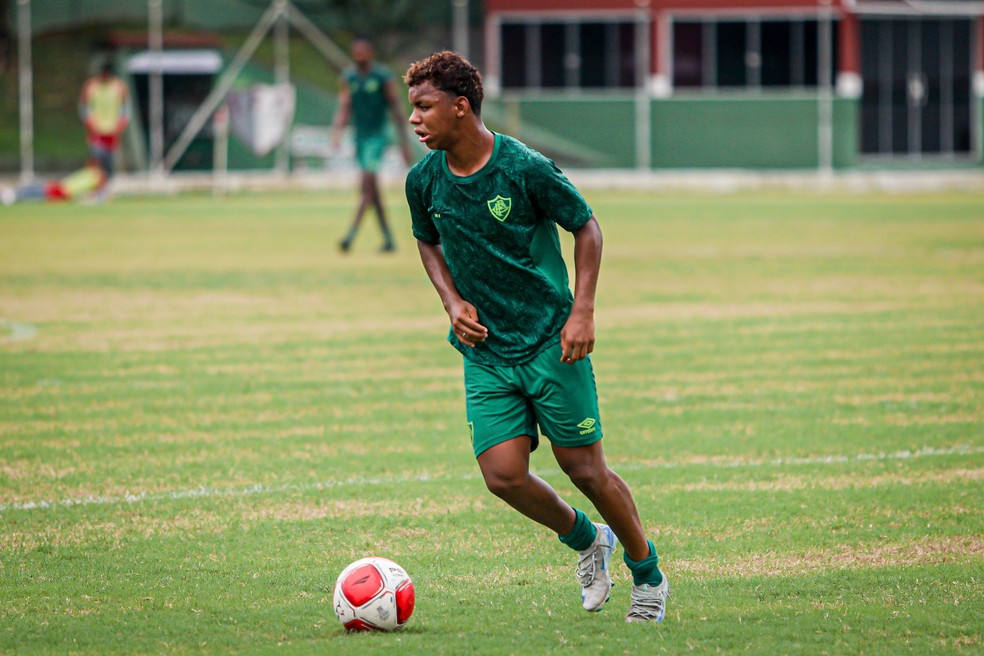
[{"x": 449, "y": 72}]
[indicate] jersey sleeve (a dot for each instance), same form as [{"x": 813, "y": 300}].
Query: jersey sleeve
[
  {"x": 554, "y": 196},
  {"x": 421, "y": 221}
]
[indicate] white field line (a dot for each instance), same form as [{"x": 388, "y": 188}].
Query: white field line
[
  {"x": 261, "y": 489},
  {"x": 18, "y": 332}
]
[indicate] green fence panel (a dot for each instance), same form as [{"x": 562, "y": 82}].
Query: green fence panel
[
  {"x": 582, "y": 132},
  {"x": 734, "y": 133},
  {"x": 698, "y": 132}
]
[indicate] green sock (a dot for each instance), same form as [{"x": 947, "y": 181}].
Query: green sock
[
  {"x": 645, "y": 570},
  {"x": 583, "y": 533}
]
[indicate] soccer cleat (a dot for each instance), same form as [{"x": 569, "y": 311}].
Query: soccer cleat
[
  {"x": 344, "y": 245},
  {"x": 592, "y": 570},
  {"x": 648, "y": 602}
]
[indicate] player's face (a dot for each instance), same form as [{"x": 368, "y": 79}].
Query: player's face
[
  {"x": 435, "y": 116},
  {"x": 362, "y": 53}
]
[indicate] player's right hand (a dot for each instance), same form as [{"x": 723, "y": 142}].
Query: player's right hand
[{"x": 465, "y": 324}]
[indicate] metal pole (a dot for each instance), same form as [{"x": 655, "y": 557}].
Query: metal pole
[
  {"x": 281, "y": 46},
  {"x": 26, "y": 90},
  {"x": 643, "y": 101},
  {"x": 155, "y": 41},
  {"x": 331, "y": 52},
  {"x": 220, "y": 153},
  {"x": 460, "y": 27},
  {"x": 825, "y": 100},
  {"x": 221, "y": 88}
]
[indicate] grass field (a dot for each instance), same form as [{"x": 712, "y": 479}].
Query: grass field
[{"x": 206, "y": 412}]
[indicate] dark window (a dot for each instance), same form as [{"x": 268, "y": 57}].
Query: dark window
[
  {"x": 553, "y": 51},
  {"x": 626, "y": 64},
  {"x": 917, "y": 98},
  {"x": 688, "y": 48},
  {"x": 777, "y": 59},
  {"x": 961, "y": 122},
  {"x": 772, "y": 53},
  {"x": 732, "y": 65},
  {"x": 514, "y": 59},
  {"x": 588, "y": 54},
  {"x": 811, "y": 56},
  {"x": 594, "y": 45}
]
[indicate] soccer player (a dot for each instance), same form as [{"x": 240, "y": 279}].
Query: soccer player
[
  {"x": 367, "y": 94},
  {"x": 485, "y": 210},
  {"x": 104, "y": 106},
  {"x": 90, "y": 179}
]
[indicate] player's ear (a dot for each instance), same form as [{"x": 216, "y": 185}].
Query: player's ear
[{"x": 461, "y": 107}]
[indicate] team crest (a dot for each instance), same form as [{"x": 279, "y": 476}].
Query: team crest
[{"x": 500, "y": 207}]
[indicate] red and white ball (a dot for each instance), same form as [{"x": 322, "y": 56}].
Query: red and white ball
[{"x": 373, "y": 594}]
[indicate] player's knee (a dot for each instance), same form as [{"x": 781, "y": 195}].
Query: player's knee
[
  {"x": 505, "y": 484},
  {"x": 588, "y": 477}
]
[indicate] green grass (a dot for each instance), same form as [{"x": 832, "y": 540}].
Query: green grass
[{"x": 206, "y": 412}]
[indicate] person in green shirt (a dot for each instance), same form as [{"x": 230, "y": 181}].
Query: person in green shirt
[
  {"x": 367, "y": 95},
  {"x": 485, "y": 209}
]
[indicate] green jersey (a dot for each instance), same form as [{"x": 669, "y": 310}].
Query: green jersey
[
  {"x": 498, "y": 231},
  {"x": 369, "y": 104}
]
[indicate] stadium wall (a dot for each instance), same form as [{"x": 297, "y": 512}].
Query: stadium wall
[
  {"x": 756, "y": 133},
  {"x": 685, "y": 133},
  {"x": 588, "y": 132}
]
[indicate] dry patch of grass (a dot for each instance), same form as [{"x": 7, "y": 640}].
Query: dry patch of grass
[
  {"x": 670, "y": 311},
  {"x": 131, "y": 524},
  {"x": 902, "y": 419},
  {"x": 789, "y": 483},
  {"x": 929, "y": 550},
  {"x": 112, "y": 533},
  {"x": 304, "y": 511}
]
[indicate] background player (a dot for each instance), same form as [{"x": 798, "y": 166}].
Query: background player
[
  {"x": 367, "y": 95},
  {"x": 104, "y": 106},
  {"x": 90, "y": 179}
]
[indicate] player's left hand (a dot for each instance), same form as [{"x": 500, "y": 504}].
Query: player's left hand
[{"x": 577, "y": 338}]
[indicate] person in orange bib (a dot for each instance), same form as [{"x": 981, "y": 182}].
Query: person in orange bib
[{"x": 104, "y": 106}]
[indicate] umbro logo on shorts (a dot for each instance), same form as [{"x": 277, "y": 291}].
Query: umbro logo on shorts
[{"x": 588, "y": 426}]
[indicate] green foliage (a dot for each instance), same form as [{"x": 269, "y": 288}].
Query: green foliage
[
  {"x": 395, "y": 26},
  {"x": 206, "y": 412}
]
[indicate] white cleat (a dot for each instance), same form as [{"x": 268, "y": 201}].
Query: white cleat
[
  {"x": 648, "y": 602},
  {"x": 592, "y": 570}
]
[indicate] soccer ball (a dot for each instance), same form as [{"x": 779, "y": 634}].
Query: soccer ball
[{"x": 373, "y": 594}]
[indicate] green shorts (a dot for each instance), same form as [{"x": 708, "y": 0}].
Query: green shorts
[
  {"x": 503, "y": 403},
  {"x": 369, "y": 150}
]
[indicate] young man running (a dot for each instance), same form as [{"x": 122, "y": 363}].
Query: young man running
[{"x": 485, "y": 210}]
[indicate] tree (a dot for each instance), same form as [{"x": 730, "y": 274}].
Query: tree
[{"x": 395, "y": 26}]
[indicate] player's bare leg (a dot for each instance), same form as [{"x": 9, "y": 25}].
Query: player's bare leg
[
  {"x": 375, "y": 199},
  {"x": 587, "y": 469},
  {"x": 506, "y": 470},
  {"x": 365, "y": 186}
]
